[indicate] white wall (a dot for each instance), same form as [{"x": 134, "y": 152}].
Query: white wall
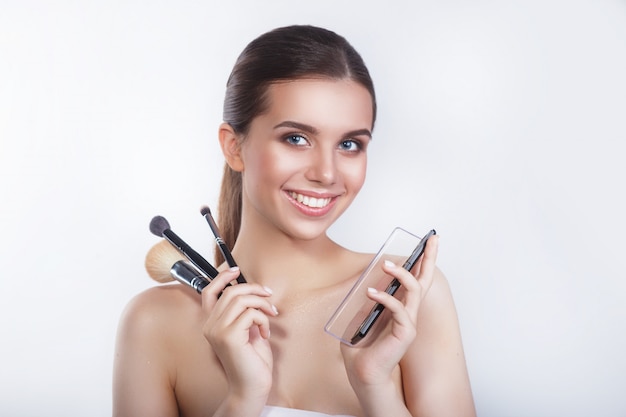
[{"x": 501, "y": 124}]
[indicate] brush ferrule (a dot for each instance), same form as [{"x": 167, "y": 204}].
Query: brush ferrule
[{"x": 186, "y": 273}]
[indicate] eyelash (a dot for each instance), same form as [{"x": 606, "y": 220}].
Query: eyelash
[
  {"x": 289, "y": 138},
  {"x": 358, "y": 144},
  {"x": 342, "y": 145}
]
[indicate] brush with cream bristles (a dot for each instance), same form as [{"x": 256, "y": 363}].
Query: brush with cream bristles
[{"x": 164, "y": 264}]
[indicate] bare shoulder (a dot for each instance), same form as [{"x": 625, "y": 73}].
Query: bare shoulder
[
  {"x": 439, "y": 296},
  {"x": 437, "y": 320},
  {"x": 151, "y": 321},
  {"x": 144, "y": 372},
  {"x": 163, "y": 297},
  {"x": 158, "y": 308},
  {"x": 435, "y": 363}
]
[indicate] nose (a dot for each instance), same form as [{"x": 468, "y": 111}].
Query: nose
[{"x": 322, "y": 167}]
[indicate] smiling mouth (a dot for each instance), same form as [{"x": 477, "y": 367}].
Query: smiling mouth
[{"x": 308, "y": 201}]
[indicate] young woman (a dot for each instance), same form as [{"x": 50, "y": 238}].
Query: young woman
[{"x": 298, "y": 118}]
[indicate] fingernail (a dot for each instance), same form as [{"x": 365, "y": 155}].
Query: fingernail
[
  {"x": 268, "y": 290},
  {"x": 389, "y": 263},
  {"x": 372, "y": 290},
  {"x": 234, "y": 268},
  {"x": 274, "y": 309}
]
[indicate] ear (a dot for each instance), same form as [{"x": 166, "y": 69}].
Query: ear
[{"x": 231, "y": 147}]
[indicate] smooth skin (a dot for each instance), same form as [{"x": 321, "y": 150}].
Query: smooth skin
[{"x": 180, "y": 354}]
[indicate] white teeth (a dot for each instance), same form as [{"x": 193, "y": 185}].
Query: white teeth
[{"x": 310, "y": 201}]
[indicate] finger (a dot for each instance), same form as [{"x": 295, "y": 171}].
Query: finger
[
  {"x": 211, "y": 292},
  {"x": 405, "y": 277},
  {"x": 237, "y": 332},
  {"x": 252, "y": 317},
  {"x": 399, "y": 313},
  {"x": 413, "y": 289},
  {"x": 236, "y": 306},
  {"x": 429, "y": 259},
  {"x": 221, "y": 284}
]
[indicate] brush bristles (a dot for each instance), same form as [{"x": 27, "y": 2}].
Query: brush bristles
[
  {"x": 159, "y": 261},
  {"x": 158, "y": 225}
]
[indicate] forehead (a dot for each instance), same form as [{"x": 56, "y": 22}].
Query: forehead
[{"x": 336, "y": 104}]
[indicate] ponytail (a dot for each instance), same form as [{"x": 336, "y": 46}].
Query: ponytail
[{"x": 229, "y": 210}]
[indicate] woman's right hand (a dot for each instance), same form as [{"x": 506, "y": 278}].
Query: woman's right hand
[{"x": 238, "y": 330}]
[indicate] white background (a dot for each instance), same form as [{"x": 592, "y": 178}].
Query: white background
[{"x": 501, "y": 124}]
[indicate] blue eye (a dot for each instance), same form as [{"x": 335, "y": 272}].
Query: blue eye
[
  {"x": 350, "y": 145},
  {"x": 297, "y": 140}
]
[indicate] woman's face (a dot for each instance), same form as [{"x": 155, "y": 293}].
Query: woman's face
[{"x": 304, "y": 160}]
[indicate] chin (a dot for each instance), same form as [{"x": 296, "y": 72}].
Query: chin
[{"x": 306, "y": 232}]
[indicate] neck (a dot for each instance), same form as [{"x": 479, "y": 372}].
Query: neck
[{"x": 270, "y": 257}]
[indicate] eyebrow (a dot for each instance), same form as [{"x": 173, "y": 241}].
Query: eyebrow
[{"x": 312, "y": 130}]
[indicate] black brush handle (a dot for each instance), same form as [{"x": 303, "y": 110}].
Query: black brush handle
[{"x": 194, "y": 257}]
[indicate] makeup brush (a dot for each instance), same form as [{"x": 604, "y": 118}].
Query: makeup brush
[
  {"x": 160, "y": 227},
  {"x": 165, "y": 264},
  {"x": 159, "y": 261},
  {"x": 206, "y": 212}
]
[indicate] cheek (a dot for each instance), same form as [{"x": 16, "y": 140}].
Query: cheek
[
  {"x": 355, "y": 174},
  {"x": 269, "y": 166}
]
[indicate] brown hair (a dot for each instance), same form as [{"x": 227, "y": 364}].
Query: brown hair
[{"x": 287, "y": 53}]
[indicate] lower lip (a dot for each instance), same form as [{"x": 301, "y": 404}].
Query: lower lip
[{"x": 312, "y": 211}]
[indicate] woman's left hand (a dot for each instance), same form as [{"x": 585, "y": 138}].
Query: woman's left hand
[{"x": 372, "y": 362}]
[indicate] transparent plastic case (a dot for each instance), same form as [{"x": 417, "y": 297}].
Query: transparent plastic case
[{"x": 356, "y": 307}]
